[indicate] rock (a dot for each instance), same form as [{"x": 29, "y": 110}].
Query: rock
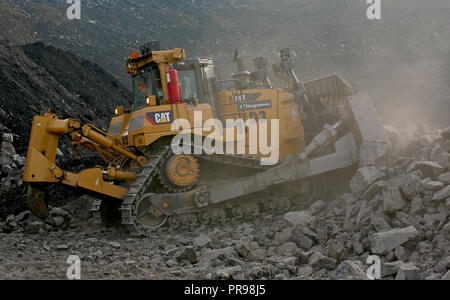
[
  {"x": 172, "y": 263},
  {"x": 444, "y": 178},
  {"x": 446, "y": 276},
  {"x": 392, "y": 199},
  {"x": 350, "y": 270},
  {"x": 287, "y": 249},
  {"x": 22, "y": 216},
  {"x": 318, "y": 260},
  {"x": 10, "y": 219},
  {"x": 56, "y": 211},
  {"x": 228, "y": 272},
  {"x": 245, "y": 245},
  {"x": 3, "y": 116},
  {"x": 335, "y": 250},
  {"x": 80, "y": 208},
  {"x": 58, "y": 221},
  {"x": 115, "y": 245},
  {"x": 401, "y": 254},
  {"x": 364, "y": 212},
  {"x": 59, "y": 153},
  {"x": 300, "y": 217},
  {"x": 305, "y": 271},
  {"x": 301, "y": 236},
  {"x": 442, "y": 159},
  {"x": 441, "y": 194},
  {"x": 430, "y": 169},
  {"x": 435, "y": 221},
  {"x": 257, "y": 255},
  {"x": 8, "y": 137},
  {"x": 383, "y": 242},
  {"x": 410, "y": 185},
  {"x": 283, "y": 236},
  {"x": 358, "y": 248},
  {"x": 379, "y": 223},
  {"x": 390, "y": 268},
  {"x": 416, "y": 205},
  {"x": 92, "y": 241},
  {"x": 216, "y": 253},
  {"x": 188, "y": 255},
  {"x": 317, "y": 207},
  {"x": 202, "y": 240},
  {"x": 363, "y": 178},
  {"x": 35, "y": 227},
  {"x": 374, "y": 190},
  {"x": 433, "y": 276},
  {"x": 434, "y": 186},
  {"x": 7, "y": 149},
  {"x": 407, "y": 272}
]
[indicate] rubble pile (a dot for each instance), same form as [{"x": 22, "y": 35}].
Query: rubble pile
[
  {"x": 396, "y": 213},
  {"x": 11, "y": 163}
]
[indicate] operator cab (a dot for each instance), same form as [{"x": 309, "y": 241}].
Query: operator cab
[
  {"x": 147, "y": 83},
  {"x": 198, "y": 80},
  {"x": 196, "y": 76}
]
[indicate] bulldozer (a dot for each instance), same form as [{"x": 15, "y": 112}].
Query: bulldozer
[{"x": 144, "y": 184}]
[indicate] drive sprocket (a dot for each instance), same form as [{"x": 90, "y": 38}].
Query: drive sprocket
[{"x": 180, "y": 173}]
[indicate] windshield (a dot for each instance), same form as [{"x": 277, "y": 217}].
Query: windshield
[
  {"x": 210, "y": 83},
  {"x": 188, "y": 84},
  {"x": 142, "y": 88}
]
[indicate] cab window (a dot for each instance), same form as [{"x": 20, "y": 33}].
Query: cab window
[
  {"x": 210, "y": 83},
  {"x": 188, "y": 85},
  {"x": 142, "y": 87}
]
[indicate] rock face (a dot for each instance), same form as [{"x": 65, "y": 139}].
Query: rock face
[{"x": 383, "y": 242}]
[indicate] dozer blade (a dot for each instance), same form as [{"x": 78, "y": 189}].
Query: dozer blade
[
  {"x": 330, "y": 90},
  {"x": 36, "y": 200}
]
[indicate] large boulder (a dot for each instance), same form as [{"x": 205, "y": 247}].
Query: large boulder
[
  {"x": 430, "y": 169},
  {"x": 383, "y": 242}
]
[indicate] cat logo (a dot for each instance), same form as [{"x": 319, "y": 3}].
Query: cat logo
[{"x": 160, "y": 117}]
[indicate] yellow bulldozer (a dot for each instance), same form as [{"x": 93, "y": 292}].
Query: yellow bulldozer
[{"x": 322, "y": 127}]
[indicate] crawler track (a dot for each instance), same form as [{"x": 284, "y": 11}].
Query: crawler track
[{"x": 141, "y": 218}]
